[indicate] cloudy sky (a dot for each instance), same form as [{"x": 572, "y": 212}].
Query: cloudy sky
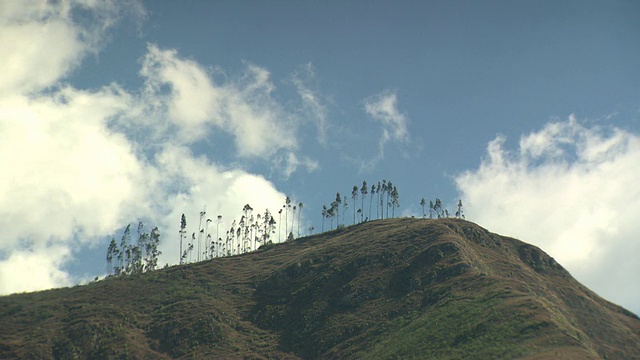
[{"x": 112, "y": 112}]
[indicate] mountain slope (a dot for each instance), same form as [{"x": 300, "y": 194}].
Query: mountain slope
[{"x": 399, "y": 288}]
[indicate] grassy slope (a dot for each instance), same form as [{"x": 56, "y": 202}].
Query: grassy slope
[{"x": 401, "y": 288}]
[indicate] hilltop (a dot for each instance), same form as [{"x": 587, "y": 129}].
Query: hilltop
[{"x": 398, "y": 288}]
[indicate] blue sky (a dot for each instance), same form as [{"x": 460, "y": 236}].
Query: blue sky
[{"x": 529, "y": 111}]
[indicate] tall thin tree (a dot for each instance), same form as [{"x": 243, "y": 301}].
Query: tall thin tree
[
  {"x": 364, "y": 192},
  {"x": 371, "y": 194},
  {"x": 324, "y": 216},
  {"x": 354, "y": 196},
  {"x": 217, "y": 234},
  {"x": 279, "y": 226},
  {"x": 183, "y": 231},
  {"x": 300, "y": 206},
  {"x": 338, "y": 202},
  {"x": 287, "y": 205},
  {"x": 200, "y": 231}
]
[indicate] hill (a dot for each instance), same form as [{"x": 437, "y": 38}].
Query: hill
[{"x": 386, "y": 289}]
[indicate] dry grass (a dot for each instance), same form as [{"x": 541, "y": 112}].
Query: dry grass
[{"x": 400, "y": 288}]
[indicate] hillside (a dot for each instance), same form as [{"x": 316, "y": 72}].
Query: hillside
[{"x": 387, "y": 289}]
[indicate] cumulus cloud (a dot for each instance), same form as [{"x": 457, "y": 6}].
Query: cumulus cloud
[
  {"x": 79, "y": 164},
  {"x": 572, "y": 190},
  {"x": 34, "y": 270},
  {"x": 41, "y": 42},
  {"x": 196, "y": 105}
]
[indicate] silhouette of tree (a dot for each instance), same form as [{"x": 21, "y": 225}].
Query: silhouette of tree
[
  {"x": 331, "y": 212},
  {"x": 394, "y": 201},
  {"x": 354, "y": 195},
  {"x": 324, "y": 215},
  {"x": 373, "y": 192},
  {"x": 293, "y": 218},
  {"x": 388, "y": 191},
  {"x": 364, "y": 192},
  {"x": 279, "y": 222},
  {"x": 217, "y": 234},
  {"x": 209, "y": 247},
  {"x": 300, "y": 206},
  {"x": 151, "y": 250},
  {"x": 459, "y": 213},
  {"x": 438, "y": 208},
  {"x": 381, "y": 196},
  {"x": 200, "y": 231},
  {"x": 183, "y": 231},
  {"x": 124, "y": 255},
  {"x": 338, "y": 202},
  {"x": 112, "y": 251},
  {"x": 287, "y": 205}
]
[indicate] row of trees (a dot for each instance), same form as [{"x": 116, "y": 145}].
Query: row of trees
[
  {"x": 384, "y": 195},
  {"x": 377, "y": 201},
  {"x": 134, "y": 257},
  {"x": 440, "y": 212},
  {"x": 244, "y": 235}
]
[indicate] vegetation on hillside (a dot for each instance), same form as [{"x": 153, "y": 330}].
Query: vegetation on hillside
[
  {"x": 253, "y": 230},
  {"x": 393, "y": 288}
]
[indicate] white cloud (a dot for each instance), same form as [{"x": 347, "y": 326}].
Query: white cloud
[
  {"x": 29, "y": 62},
  {"x": 59, "y": 158},
  {"x": 311, "y": 100},
  {"x": 572, "y": 190},
  {"x": 41, "y": 43},
  {"x": 383, "y": 108},
  {"x": 243, "y": 108},
  {"x": 198, "y": 184},
  {"x": 34, "y": 270},
  {"x": 78, "y": 164}
]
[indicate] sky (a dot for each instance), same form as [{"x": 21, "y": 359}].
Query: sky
[{"x": 114, "y": 112}]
